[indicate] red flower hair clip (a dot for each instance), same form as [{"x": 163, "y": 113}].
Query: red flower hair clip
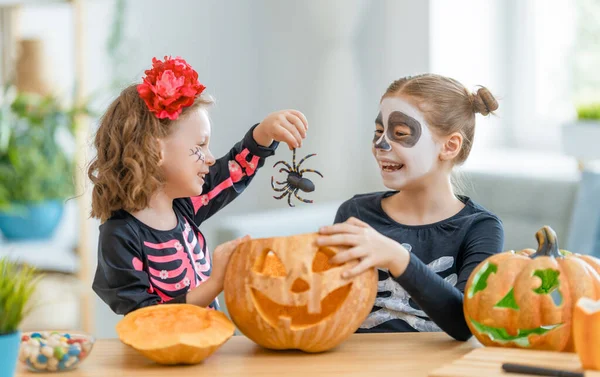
[{"x": 169, "y": 87}]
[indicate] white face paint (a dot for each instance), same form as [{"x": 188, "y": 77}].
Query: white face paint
[{"x": 403, "y": 144}]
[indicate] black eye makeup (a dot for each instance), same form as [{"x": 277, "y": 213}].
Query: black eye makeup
[
  {"x": 403, "y": 129},
  {"x": 379, "y": 139},
  {"x": 197, "y": 151}
]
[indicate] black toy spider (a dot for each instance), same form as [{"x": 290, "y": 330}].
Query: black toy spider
[{"x": 294, "y": 181}]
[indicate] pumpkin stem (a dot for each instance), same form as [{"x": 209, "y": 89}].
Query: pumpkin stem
[{"x": 547, "y": 243}]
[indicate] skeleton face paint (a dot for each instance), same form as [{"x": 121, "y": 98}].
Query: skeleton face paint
[
  {"x": 396, "y": 131},
  {"x": 403, "y": 143},
  {"x": 198, "y": 153}
]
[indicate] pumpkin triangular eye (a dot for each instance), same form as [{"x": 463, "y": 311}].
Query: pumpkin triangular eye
[
  {"x": 508, "y": 301},
  {"x": 269, "y": 264},
  {"x": 321, "y": 261}
]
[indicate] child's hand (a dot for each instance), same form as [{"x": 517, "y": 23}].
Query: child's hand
[
  {"x": 367, "y": 245},
  {"x": 221, "y": 257},
  {"x": 288, "y": 126}
]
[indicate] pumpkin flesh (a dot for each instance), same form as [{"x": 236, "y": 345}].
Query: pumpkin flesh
[
  {"x": 586, "y": 326},
  {"x": 175, "y": 333}
]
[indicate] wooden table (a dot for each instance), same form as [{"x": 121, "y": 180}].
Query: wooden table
[{"x": 399, "y": 354}]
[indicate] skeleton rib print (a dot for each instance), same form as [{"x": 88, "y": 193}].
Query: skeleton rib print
[
  {"x": 393, "y": 302},
  {"x": 173, "y": 267}
]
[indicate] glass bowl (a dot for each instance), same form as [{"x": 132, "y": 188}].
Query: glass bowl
[{"x": 54, "y": 351}]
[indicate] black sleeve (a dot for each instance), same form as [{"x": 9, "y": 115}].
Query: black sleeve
[
  {"x": 442, "y": 302},
  {"x": 120, "y": 279},
  {"x": 230, "y": 175}
]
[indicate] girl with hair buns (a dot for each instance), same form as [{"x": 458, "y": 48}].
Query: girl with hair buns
[{"x": 424, "y": 238}]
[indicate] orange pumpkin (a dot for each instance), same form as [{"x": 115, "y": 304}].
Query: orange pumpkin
[
  {"x": 525, "y": 299},
  {"x": 283, "y": 293},
  {"x": 586, "y": 327},
  {"x": 175, "y": 333}
]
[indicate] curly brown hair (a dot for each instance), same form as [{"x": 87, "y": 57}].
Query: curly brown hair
[
  {"x": 447, "y": 105},
  {"x": 125, "y": 172}
]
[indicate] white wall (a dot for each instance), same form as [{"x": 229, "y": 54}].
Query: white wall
[{"x": 468, "y": 43}]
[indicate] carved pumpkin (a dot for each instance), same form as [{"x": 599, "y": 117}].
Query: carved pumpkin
[
  {"x": 175, "y": 333},
  {"x": 283, "y": 293},
  {"x": 586, "y": 327},
  {"x": 525, "y": 299}
]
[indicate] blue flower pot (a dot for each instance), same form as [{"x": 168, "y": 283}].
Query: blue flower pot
[
  {"x": 31, "y": 220},
  {"x": 9, "y": 352}
]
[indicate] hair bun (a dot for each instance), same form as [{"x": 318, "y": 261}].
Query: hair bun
[{"x": 484, "y": 101}]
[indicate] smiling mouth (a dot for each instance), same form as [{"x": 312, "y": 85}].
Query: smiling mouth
[
  {"x": 390, "y": 167},
  {"x": 298, "y": 317}
]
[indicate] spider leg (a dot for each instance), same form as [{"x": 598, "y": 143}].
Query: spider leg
[
  {"x": 305, "y": 158},
  {"x": 310, "y": 170},
  {"x": 290, "y": 199},
  {"x": 281, "y": 182},
  {"x": 299, "y": 198},
  {"x": 287, "y": 192},
  {"x": 284, "y": 170},
  {"x": 294, "y": 160},
  {"x": 278, "y": 189},
  {"x": 283, "y": 162}
]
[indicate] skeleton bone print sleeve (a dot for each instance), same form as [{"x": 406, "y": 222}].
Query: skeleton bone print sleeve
[
  {"x": 428, "y": 296},
  {"x": 229, "y": 176}
]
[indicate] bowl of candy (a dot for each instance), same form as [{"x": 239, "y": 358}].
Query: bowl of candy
[{"x": 54, "y": 351}]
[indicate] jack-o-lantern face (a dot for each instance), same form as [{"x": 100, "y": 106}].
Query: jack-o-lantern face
[
  {"x": 283, "y": 293},
  {"x": 525, "y": 298},
  {"x": 310, "y": 292}
]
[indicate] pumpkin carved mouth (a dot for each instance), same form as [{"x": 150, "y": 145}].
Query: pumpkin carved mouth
[
  {"x": 298, "y": 299},
  {"x": 298, "y": 317},
  {"x": 501, "y": 335}
]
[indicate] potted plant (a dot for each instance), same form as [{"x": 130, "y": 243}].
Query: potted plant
[
  {"x": 36, "y": 166},
  {"x": 17, "y": 284},
  {"x": 580, "y": 139}
]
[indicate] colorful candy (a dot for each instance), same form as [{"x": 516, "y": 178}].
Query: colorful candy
[{"x": 44, "y": 351}]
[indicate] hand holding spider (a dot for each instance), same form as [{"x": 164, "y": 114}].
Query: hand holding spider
[{"x": 289, "y": 126}]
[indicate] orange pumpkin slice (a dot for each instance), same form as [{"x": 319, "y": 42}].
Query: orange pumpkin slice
[
  {"x": 586, "y": 325},
  {"x": 175, "y": 333}
]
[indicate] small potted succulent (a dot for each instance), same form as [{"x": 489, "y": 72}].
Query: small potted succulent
[
  {"x": 580, "y": 139},
  {"x": 17, "y": 284}
]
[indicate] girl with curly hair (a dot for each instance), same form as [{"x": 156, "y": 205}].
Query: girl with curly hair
[{"x": 155, "y": 181}]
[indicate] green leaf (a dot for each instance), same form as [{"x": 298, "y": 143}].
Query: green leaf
[
  {"x": 33, "y": 166},
  {"x": 589, "y": 112},
  {"x": 508, "y": 301},
  {"x": 480, "y": 279},
  {"x": 501, "y": 336},
  {"x": 17, "y": 284}
]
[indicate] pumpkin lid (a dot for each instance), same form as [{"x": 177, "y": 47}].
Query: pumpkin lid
[{"x": 162, "y": 326}]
